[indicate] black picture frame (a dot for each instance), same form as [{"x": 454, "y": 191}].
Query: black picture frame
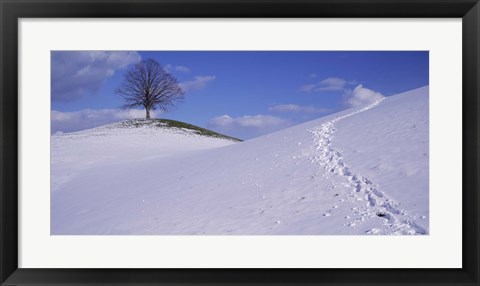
[{"x": 12, "y": 10}]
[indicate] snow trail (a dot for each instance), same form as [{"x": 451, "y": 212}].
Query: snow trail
[{"x": 376, "y": 204}]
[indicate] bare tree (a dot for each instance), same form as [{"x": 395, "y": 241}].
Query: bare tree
[{"x": 148, "y": 85}]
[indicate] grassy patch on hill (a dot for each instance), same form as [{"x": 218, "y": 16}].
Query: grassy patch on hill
[{"x": 167, "y": 123}]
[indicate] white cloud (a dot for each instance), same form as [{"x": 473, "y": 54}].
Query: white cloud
[
  {"x": 222, "y": 121},
  {"x": 328, "y": 84},
  {"x": 75, "y": 74},
  {"x": 248, "y": 121},
  {"x": 89, "y": 118},
  {"x": 333, "y": 81},
  {"x": 307, "y": 87},
  {"x": 247, "y": 126},
  {"x": 297, "y": 108},
  {"x": 198, "y": 82},
  {"x": 361, "y": 95},
  {"x": 171, "y": 68},
  {"x": 259, "y": 121}
]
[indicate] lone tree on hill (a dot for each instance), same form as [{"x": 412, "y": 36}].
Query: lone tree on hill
[{"x": 148, "y": 85}]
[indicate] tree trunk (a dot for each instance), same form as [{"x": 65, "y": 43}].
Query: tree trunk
[{"x": 148, "y": 112}]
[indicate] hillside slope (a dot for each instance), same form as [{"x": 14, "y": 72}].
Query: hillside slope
[
  {"x": 126, "y": 142},
  {"x": 360, "y": 171}
]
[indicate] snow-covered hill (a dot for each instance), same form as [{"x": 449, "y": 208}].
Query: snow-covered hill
[
  {"x": 360, "y": 171},
  {"x": 125, "y": 142}
]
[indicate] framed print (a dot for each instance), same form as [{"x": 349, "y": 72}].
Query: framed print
[{"x": 223, "y": 142}]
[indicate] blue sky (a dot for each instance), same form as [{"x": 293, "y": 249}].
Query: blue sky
[{"x": 240, "y": 93}]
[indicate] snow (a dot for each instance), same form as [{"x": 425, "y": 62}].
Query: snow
[
  {"x": 360, "y": 171},
  {"x": 118, "y": 144}
]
